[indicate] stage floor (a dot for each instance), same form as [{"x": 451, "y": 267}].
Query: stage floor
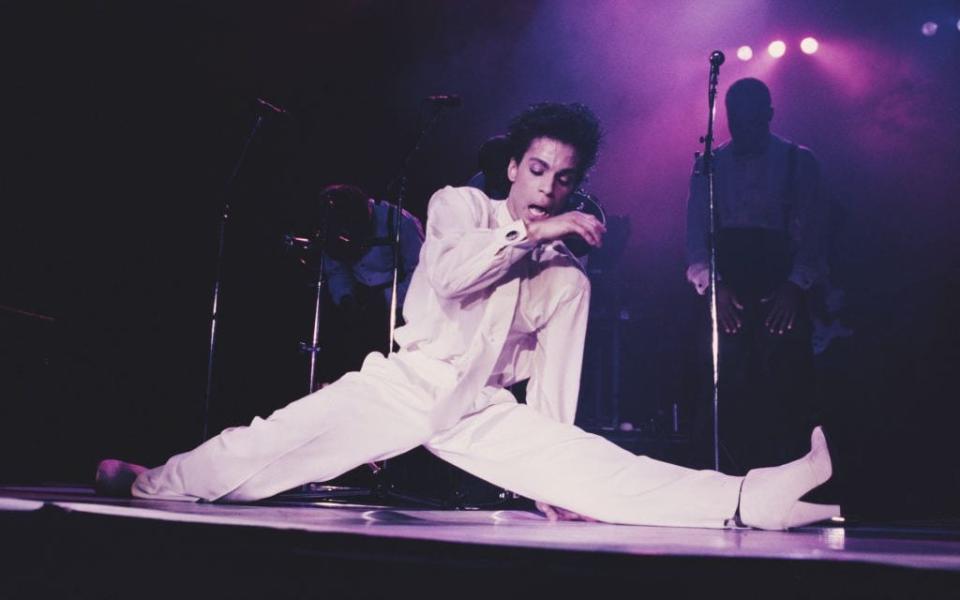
[
  {"x": 917, "y": 545},
  {"x": 369, "y": 534}
]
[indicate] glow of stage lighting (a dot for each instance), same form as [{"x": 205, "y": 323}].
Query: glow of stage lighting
[
  {"x": 744, "y": 52},
  {"x": 777, "y": 49},
  {"x": 809, "y": 45},
  {"x": 958, "y": 24},
  {"x": 929, "y": 29}
]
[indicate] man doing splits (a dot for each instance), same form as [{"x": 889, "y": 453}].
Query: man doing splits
[{"x": 496, "y": 299}]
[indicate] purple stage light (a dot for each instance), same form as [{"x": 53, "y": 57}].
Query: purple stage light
[
  {"x": 809, "y": 45},
  {"x": 744, "y": 52},
  {"x": 929, "y": 29},
  {"x": 777, "y": 48},
  {"x": 958, "y": 24}
]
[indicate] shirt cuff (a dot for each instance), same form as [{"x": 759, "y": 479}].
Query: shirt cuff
[
  {"x": 699, "y": 275},
  {"x": 514, "y": 235}
]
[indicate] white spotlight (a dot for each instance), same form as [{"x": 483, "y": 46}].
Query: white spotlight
[
  {"x": 777, "y": 48},
  {"x": 929, "y": 29},
  {"x": 809, "y": 45},
  {"x": 744, "y": 52}
]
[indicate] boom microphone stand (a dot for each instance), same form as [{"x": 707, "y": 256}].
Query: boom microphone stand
[
  {"x": 313, "y": 348},
  {"x": 263, "y": 108},
  {"x": 313, "y": 246},
  {"x": 215, "y": 311},
  {"x": 716, "y": 59},
  {"x": 436, "y": 104}
]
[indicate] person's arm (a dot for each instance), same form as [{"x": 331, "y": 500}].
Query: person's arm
[
  {"x": 807, "y": 228},
  {"x": 808, "y": 223},
  {"x": 698, "y": 252},
  {"x": 554, "y": 385},
  {"x": 698, "y": 228},
  {"x": 461, "y": 254}
]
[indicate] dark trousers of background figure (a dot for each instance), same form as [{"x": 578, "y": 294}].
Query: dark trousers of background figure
[{"x": 767, "y": 392}]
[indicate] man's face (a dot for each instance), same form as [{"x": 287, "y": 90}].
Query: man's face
[
  {"x": 749, "y": 122},
  {"x": 542, "y": 181}
]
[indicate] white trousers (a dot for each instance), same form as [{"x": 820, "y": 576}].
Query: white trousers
[{"x": 387, "y": 408}]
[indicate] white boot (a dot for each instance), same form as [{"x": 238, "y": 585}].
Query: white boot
[{"x": 770, "y": 497}]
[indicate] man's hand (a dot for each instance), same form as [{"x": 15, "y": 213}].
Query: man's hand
[
  {"x": 572, "y": 222},
  {"x": 555, "y": 513},
  {"x": 784, "y": 305},
  {"x": 728, "y": 310}
]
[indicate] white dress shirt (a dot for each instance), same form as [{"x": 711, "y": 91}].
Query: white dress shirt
[{"x": 501, "y": 297}]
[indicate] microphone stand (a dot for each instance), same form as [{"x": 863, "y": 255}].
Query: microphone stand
[
  {"x": 382, "y": 487},
  {"x": 215, "y": 312},
  {"x": 425, "y": 127},
  {"x": 313, "y": 348},
  {"x": 716, "y": 59},
  {"x": 313, "y": 247}
]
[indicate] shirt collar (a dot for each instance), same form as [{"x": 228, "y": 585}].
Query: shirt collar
[{"x": 501, "y": 213}]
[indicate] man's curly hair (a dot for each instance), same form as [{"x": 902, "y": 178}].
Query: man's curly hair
[{"x": 572, "y": 124}]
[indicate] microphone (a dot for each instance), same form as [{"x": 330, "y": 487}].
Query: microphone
[
  {"x": 271, "y": 108},
  {"x": 444, "y": 100},
  {"x": 717, "y": 58}
]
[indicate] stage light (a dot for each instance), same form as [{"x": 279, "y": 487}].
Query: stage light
[
  {"x": 809, "y": 45},
  {"x": 777, "y": 49},
  {"x": 744, "y": 52},
  {"x": 929, "y": 29},
  {"x": 958, "y": 24}
]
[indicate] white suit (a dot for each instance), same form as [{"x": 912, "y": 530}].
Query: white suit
[{"x": 485, "y": 308}]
